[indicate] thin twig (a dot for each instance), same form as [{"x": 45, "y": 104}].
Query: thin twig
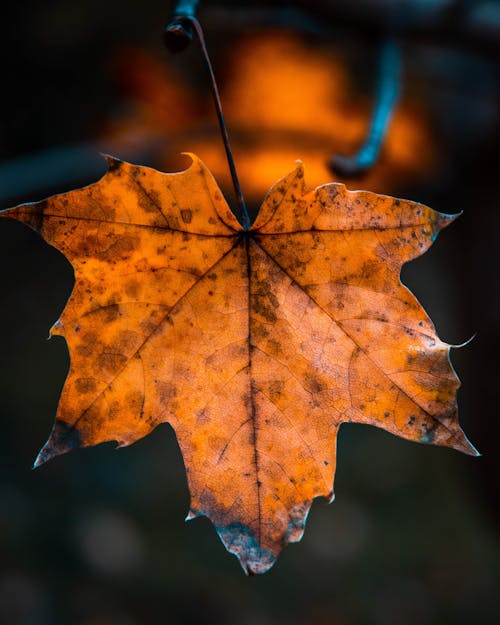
[
  {"x": 388, "y": 90},
  {"x": 178, "y": 34},
  {"x": 222, "y": 124}
]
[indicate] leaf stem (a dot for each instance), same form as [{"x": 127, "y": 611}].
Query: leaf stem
[{"x": 183, "y": 21}]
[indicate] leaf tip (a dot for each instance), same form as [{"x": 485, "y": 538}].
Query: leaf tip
[
  {"x": 62, "y": 439},
  {"x": 299, "y": 169},
  {"x": 239, "y": 540},
  {"x": 444, "y": 219},
  {"x": 463, "y": 444},
  {"x": 468, "y": 448},
  {"x": 464, "y": 343},
  {"x": 112, "y": 161},
  {"x": 42, "y": 457}
]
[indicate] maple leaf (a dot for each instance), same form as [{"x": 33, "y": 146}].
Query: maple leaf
[{"x": 254, "y": 345}]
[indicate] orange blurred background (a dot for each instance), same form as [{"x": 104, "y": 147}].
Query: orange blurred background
[{"x": 284, "y": 99}]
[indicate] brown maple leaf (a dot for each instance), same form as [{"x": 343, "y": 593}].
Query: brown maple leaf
[{"x": 254, "y": 345}]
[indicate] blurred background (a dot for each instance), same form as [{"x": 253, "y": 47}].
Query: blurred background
[{"x": 98, "y": 537}]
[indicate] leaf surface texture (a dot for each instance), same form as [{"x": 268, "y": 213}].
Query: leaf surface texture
[{"x": 254, "y": 345}]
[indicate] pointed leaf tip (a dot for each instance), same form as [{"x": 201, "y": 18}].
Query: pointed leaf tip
[
  {"x": 62, "y": 439},
  {"x": 469, "y": 449},
  {"x": 299, "y": 169},
  {"x": 465, "y": 343},
  {"x": 445, "y": 219},
  {"x": 112, "y": 161},
  {"x": 44, "y": 455},
  {"x": 463, "y": 444}
]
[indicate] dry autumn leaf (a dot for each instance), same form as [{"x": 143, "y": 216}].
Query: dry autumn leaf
[{"x": 254, "y": 345}]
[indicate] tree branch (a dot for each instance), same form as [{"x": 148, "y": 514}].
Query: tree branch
[
  {"x": 387, "y": 95},
  {"x": 178, "y": 32},
  {"x": 474, "y": 27}
]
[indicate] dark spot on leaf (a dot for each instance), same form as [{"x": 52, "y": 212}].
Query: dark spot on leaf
[
  {"x": 273, "y": 346},
  {"x": 274, "y": 300},
  {"x": 275, "y": 389},
  {"x": 313, "y": 383},
  {"x": 121, "y": 248},
  {"x": 187, "y": 215},
  {"x": 115, "y": 410},
  {"x": 111, "y": 313},
  {"x": 132, "y": 288},
  {"x": 134, "y": 401},
  {"x": 111, "y": 362},
  {"x": 428, "y": 432},
  {"x": 85, "y": 385},
  {"x": 126, "y": 341},
  {"x": 262, "y": 309},
  {"x": 166, "y": 391}
]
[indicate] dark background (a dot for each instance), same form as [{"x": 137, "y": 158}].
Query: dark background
[{"x": 97, "y": 537}]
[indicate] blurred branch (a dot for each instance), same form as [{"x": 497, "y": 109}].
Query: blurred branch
[
  {"x": 473, "y": 26},
  {"x": 186, "y": 8},
  {"x": 178, "y": 32},
  {"x": 388, "y": 90},
  {"x": 60, "y": 168}
]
